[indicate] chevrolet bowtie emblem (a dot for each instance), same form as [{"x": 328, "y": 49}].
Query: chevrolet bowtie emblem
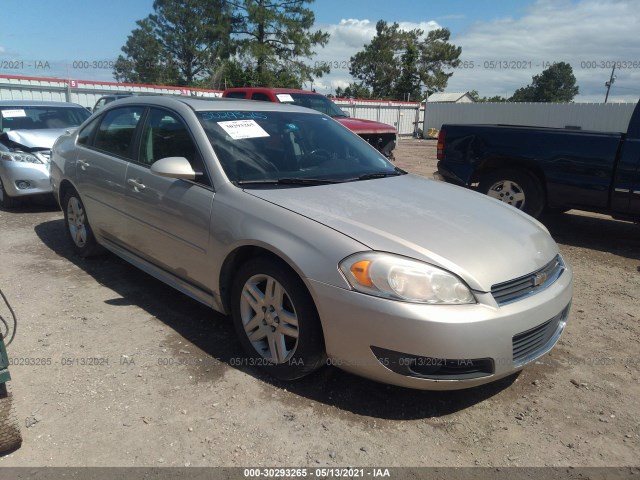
[{"x": 539, "y": 279}]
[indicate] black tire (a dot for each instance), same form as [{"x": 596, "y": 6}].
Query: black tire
[
  {"x": 5, "y": 200},
  {"x": 10, "y": 436},
  {"x": 296, "y": 357},
  {"x": 517, "y": 188},
  {"x": 77, "y": 226}
]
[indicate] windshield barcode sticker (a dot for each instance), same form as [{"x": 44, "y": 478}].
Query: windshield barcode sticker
[
  {"x": 13, "y": 113},
  {"x": 240, "y": 129}
]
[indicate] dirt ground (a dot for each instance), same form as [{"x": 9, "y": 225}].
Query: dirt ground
[{"x": 113, "y": 368}]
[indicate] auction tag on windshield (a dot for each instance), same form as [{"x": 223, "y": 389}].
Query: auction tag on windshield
[
  {"x": 239, "y": 129},
  {"x": 13, "y": 113},
  {"x": 285, "y": 97}
]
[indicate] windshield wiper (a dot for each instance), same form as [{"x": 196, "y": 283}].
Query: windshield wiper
[
  {"x": 287, "y": 181},
  {"x": 369, "y": 176}
]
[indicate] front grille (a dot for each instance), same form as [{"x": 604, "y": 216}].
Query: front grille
[
  {"x": 537, "y": 341},
  {"x": 519, "y": 288}
]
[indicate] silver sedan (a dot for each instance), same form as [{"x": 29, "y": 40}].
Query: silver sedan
[{"x": 320, "y": 249}]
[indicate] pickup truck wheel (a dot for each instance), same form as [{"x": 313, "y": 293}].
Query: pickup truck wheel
[
  {"x": 518, "y": 189},
  {"x": 276, "y": 320}
]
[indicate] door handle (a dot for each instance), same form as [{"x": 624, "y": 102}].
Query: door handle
[
  {"x": 83, "y": 164},
  {"x": 136, "y": 184}
]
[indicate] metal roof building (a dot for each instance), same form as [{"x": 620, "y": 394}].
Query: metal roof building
[{"x": 450, "y": 97}]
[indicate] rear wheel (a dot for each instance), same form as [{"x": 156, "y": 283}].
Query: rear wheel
[
  {"x": 7, "y": 201},
  {"x": 516, "y": 188},
  {"x": 276, "y": 320},
  {"x": 77, "y": 226}
]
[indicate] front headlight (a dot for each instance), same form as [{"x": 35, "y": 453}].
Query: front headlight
[
  {"x": 19, "y": 157},
  {"x": 400, "y": 278}
]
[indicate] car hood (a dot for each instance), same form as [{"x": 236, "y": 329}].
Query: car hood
[
  {"x": 482, "y": 240},
  {"x": 44, "y": 138},
  {"x": 358, "y": 125}
]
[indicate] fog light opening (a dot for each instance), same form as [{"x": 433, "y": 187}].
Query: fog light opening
[{"x": 23, "y": 184}]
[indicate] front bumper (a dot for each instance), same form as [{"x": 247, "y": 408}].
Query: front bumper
[
  {"x": 36, "y": 175},
  {"x": 358, "y": 327},
  {"x": 385, "y": 143}
]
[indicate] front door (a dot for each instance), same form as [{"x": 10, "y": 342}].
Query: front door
[
  {"x": 168, "y": 218},
  {"x": 105, "y": 147}
]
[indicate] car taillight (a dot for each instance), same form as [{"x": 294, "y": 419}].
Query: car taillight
[{"x": 440, "y": 147}]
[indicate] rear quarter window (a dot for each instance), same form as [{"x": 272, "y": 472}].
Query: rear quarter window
[{"x": 85, "y": 135}]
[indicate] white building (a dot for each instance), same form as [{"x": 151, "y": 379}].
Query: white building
[{"x": 450, "y": 97}]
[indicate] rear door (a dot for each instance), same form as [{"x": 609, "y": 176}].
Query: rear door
[
  {"x": 168, "y": 219},
  {"x": 104, "y": 148}
]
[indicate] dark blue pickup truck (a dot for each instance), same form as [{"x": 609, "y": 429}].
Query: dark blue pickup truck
[{"x": 546, "y": 169}]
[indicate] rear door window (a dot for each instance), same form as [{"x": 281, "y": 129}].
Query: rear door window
[{"x": 116, "y": 132}]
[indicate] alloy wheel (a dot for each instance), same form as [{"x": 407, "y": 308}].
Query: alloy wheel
[
  {"x": 77, "y": 222},
  {"x": 508, "y": 191},
  {"x": 269, "y": 318}
]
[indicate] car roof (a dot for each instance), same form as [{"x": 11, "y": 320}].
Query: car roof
[
  {"x": 209, "y": 104},
  {"x": 36, "y": 103},
  {"x": 117, "y": 95}
]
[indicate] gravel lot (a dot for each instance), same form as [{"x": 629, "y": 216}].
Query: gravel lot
[{"x": 113, "y": 368}]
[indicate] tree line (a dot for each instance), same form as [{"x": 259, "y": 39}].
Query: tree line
[
  {"x": 231, "y": 43},
  {"x": 214, "y": 43},
  {"x": 555, "y": 84}
]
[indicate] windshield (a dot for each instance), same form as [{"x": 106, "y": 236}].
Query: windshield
[
  {"x": 313, "y": 101},
  {"x": 33, "y": 118},
  {"x": 290, "y": 147}
]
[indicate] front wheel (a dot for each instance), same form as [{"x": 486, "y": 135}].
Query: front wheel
[
  {"x": 276, "y": 320},
  {"x": 516, "y": 188},
  {"x": 77, "y": 226},
  {"x": 7, "y": 201}
]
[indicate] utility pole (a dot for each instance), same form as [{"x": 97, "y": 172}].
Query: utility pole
[{"x": 610, "y": 82}]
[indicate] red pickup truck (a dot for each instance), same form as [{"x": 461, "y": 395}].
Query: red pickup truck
[{"x": 380, "y": 135}]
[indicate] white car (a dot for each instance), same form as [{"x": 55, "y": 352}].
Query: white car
[{"x": 27, "y": 132}]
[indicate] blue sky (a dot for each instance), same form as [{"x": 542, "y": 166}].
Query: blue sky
[{"x": 528, "y": 34}]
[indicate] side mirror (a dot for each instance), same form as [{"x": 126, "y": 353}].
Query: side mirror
[
  {"x": 346, "y": 114},
  {"x": 173, "y": 167}
]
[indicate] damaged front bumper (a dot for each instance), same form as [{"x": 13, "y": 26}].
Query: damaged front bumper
[{"x": 21, "y": 179}]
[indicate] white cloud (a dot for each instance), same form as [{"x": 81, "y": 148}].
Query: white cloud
[
  {"x": 594, "y": 31},
  {"x": 2, "y": 49},
  {"x": 550, "y": 31}
]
